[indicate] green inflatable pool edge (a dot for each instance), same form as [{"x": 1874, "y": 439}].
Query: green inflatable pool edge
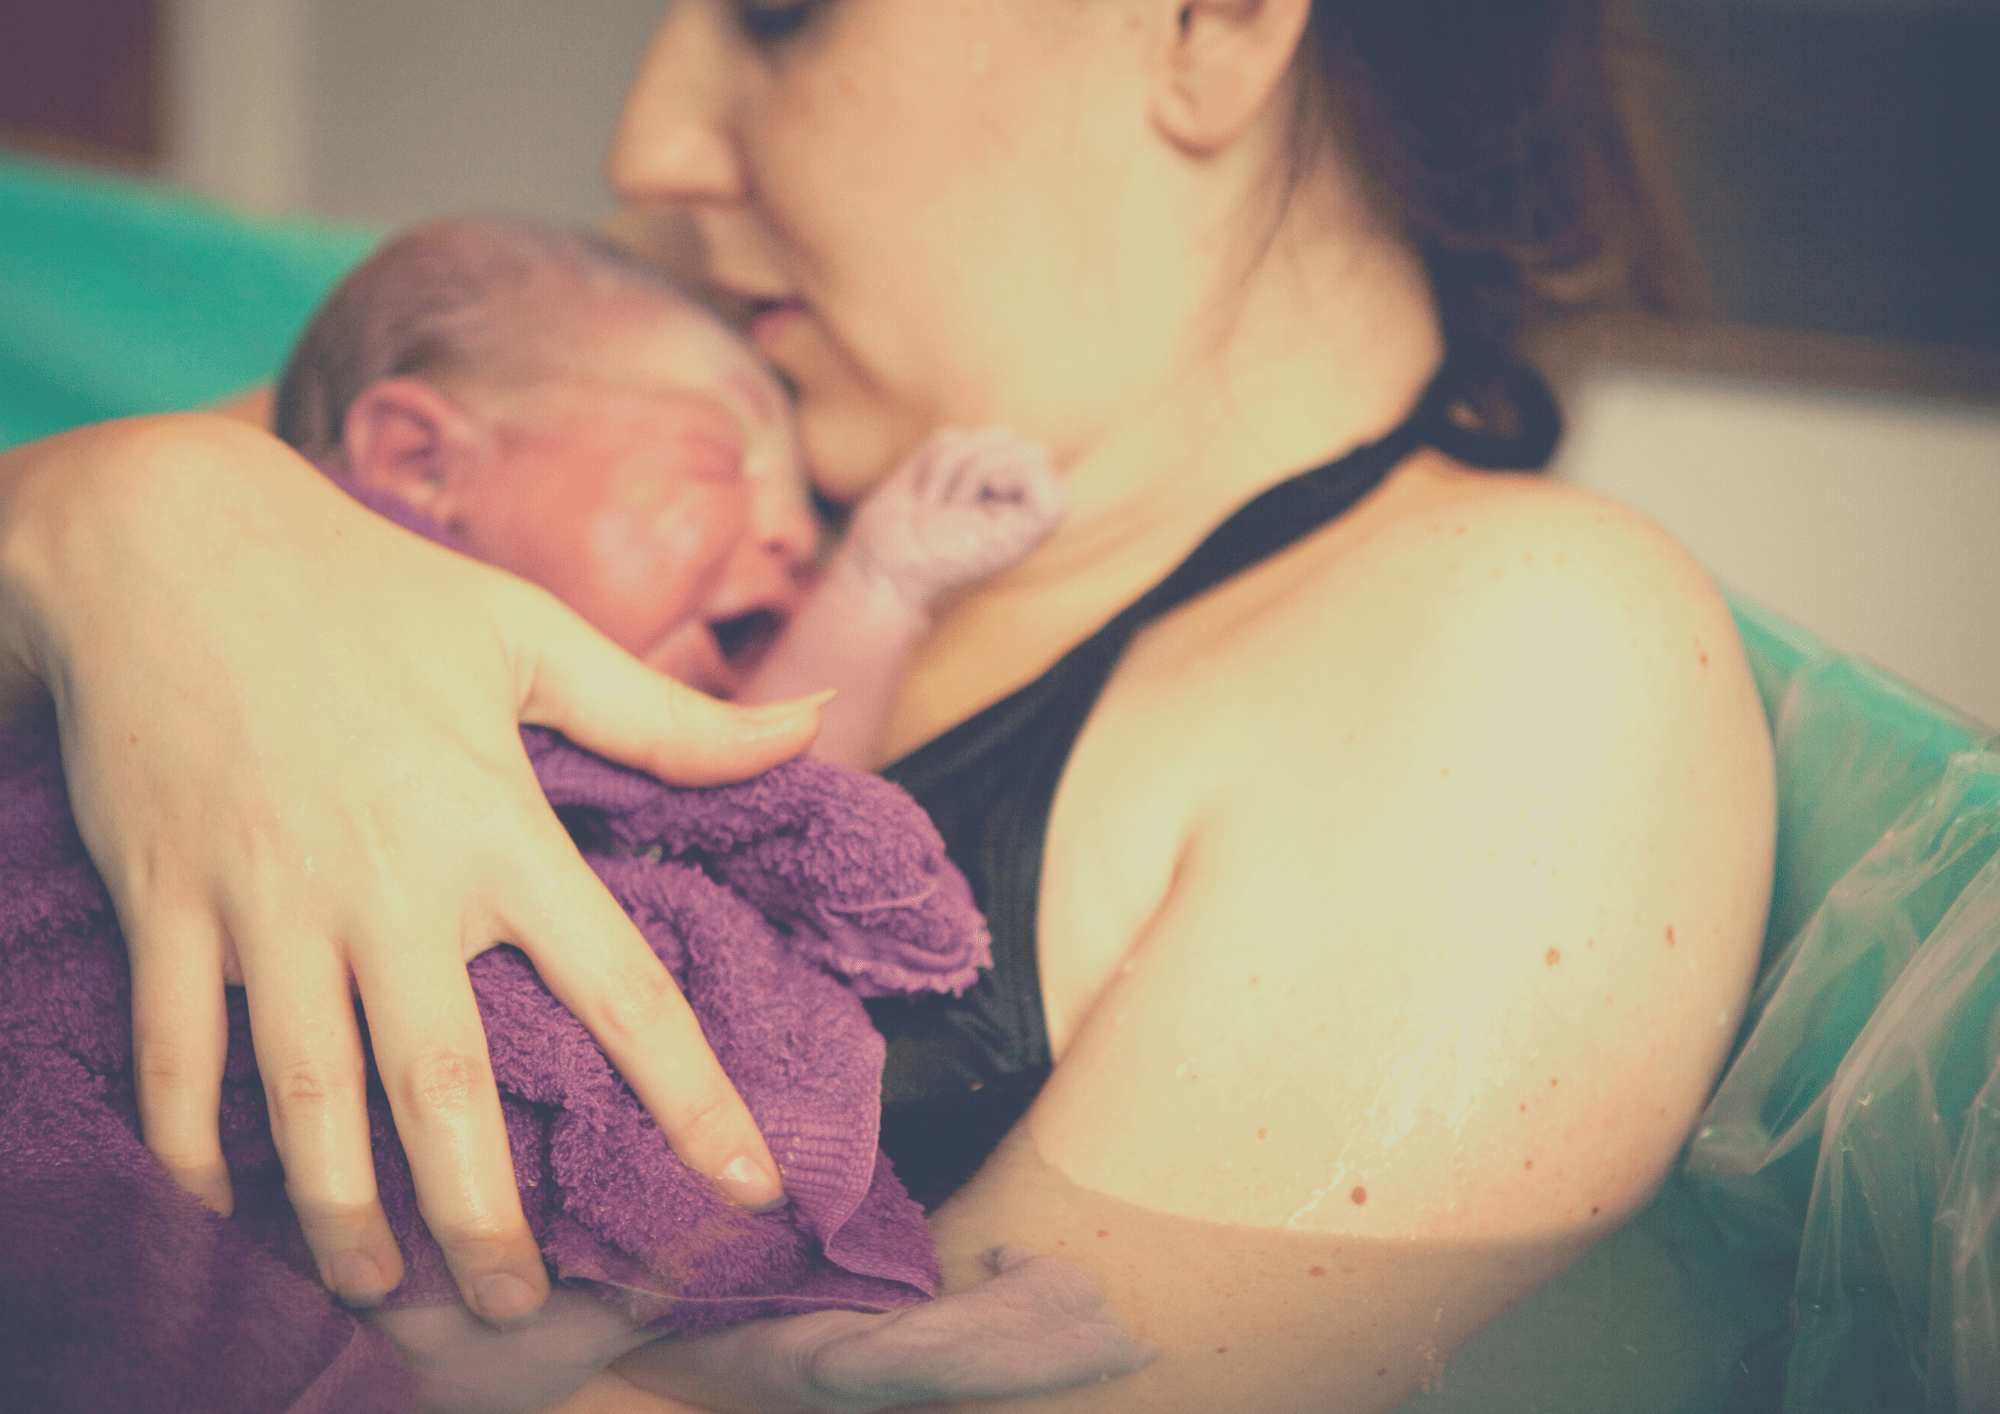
[{"x": 120, "y": 296}]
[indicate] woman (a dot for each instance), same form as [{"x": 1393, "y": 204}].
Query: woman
[{"x": 1403, "y": 886}]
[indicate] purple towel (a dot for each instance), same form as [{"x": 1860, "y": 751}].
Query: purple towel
[{"x": 776, "y": 904}]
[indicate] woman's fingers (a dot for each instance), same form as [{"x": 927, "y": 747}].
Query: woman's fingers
[
  {"x": 430, "y": 1050},
  {"x": 180, "y": 1039},
  {"x": 605, "y": 700},
  {"x": 599, "y": 966},
  {"x": 315, "y": 1086}
]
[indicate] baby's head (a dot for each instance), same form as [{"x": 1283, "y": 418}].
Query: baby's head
[{"x": 567, "y": 414}]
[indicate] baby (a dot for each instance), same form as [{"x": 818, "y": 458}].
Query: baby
[
  {"x": 536, "y": 400},
  {"x": 547, "y": 405}
]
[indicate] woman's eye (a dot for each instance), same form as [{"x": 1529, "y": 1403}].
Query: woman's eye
[{"x": 774, "y": 23}]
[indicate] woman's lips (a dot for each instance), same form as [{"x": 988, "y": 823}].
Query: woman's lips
[{"x": 772, "y": 320}]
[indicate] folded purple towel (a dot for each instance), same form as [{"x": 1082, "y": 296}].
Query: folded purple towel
[{"x": 776, "y": 904}]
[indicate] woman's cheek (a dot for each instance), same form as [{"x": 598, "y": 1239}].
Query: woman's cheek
[{"x": 855, "y": 429}]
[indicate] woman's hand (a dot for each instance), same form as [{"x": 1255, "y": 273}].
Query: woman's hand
[{"x": 290, "y": 733}]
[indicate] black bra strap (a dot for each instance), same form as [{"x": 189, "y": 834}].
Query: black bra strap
[
  {"x": 961, "y": 1070},
  {"x": 1477, "y": 411}
]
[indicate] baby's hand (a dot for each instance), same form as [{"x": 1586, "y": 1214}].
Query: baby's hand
[
  {"x": 1040, "y": 1324},
  {"x": 469, "y": 1367},
  {"x": 964, "y": 506}
]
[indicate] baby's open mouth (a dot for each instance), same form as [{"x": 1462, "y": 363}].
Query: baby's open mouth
[{"x": 744, "y": 639}]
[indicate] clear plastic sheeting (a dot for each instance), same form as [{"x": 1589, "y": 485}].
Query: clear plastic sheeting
[
  {"x": 1848, "y": 1128},
  {"x": 1831, "y": 1239}
]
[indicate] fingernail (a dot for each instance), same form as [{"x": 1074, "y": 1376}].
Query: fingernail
[
  {"x": 746, "y": 1182},
  {"x": 356, "y": 1279},
  {"x": 502, "y": 1297},
  {"x": 785, "y": 711}
]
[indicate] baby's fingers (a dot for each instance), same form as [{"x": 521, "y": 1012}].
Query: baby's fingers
[
  {"x": 596, "y": 963},
  {"x": 1007, "y": 466},
  {"x": 180, "y": 1039}
]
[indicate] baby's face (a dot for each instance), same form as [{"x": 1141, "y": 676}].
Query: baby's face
[{"x": 657, "y": 491}]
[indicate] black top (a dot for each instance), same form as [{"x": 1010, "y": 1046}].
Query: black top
[{"x": 962, "y": 1070}]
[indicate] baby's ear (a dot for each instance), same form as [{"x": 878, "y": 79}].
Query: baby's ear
[{"x": 404, "y": 437}]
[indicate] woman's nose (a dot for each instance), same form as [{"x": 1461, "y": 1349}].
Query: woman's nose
[{"x": 672, "y": 141}]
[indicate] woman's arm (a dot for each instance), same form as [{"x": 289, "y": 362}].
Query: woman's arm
[
  {"x": 290, "y": 736},
  {"x": 252, "y": 405},
  {"x": 1448, "y": 954},
  {"x": 1450, "y": 951}
]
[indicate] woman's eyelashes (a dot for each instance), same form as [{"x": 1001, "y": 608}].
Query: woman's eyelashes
[{"x": 769, "y": 24}]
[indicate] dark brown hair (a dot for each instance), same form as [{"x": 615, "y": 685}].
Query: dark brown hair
[{"x": 1499, "y": 135}]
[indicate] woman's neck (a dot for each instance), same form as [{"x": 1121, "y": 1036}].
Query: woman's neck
[
  {"x": 1324, "y": 344},
  {"x": 1329, "y": 344}
]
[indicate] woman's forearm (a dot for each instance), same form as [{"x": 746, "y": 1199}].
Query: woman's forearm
[
  {"x": 75, "y": 509},
  {"x": 1252, "y": 1320}
]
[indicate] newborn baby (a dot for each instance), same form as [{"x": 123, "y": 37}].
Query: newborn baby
[
  {"x": 542, "y": 403},
  {"x": 536, "y": 400}
]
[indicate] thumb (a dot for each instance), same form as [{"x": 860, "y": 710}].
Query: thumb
[{"x": 580, "y": 683}]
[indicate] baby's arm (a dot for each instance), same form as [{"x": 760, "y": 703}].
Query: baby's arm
[
  {"x": 966, "y": 505},
  {"x": 468, "y": 1367},
  {"x": 1040, "y": 1324}
]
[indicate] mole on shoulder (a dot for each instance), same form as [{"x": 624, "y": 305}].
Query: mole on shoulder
[{"x": 1359, "y": 1195}]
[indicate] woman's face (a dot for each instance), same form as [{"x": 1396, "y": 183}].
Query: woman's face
[{"x": 940, "y": 208}]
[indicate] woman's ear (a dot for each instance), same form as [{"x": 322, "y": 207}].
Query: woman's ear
[
  {"x": 404, "y": 437},
  {"x": 1226, "y": 59}
]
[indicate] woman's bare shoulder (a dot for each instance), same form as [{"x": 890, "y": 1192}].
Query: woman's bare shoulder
[
  {"x": 1470, "y": 898},
  {"x": 1464, "y": 549}
]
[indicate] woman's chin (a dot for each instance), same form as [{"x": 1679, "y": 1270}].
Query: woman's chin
[{"x": 850, "y": 451}]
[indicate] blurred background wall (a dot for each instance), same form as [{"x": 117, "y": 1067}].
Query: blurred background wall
[{"x": 1830, "y": 445}]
